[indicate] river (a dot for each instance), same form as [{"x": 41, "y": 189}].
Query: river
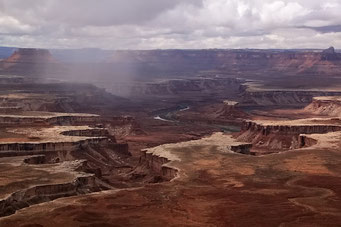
[{"x": 168, "y": 115}]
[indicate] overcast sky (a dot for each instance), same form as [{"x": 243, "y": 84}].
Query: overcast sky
[{"x": 152, "y": 24}]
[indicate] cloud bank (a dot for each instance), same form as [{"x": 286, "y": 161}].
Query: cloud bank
[{"x": 168, "y": 24}]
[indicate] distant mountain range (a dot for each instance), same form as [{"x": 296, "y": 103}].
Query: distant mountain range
[
  {"x": 104, "y": 65},
  {"x": 95, "y": 55}
]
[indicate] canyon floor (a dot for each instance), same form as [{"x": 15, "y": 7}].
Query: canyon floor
[
  {"x": 213, "y": 188},
  {"x": 200, "y": 165},
  {"x": 212, "y": 150}
]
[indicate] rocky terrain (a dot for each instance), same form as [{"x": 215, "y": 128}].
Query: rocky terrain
[
  {"x": 271, "y": 136},
  {"x": 35, "y": 148},
  {"x": 201, "y": 138},
  {"x": 326, "y": 105},
  {"x": 55, "y": 155},
  {"x": 213, "y": 186}
]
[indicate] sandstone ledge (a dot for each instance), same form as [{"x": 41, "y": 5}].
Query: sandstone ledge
[
  {"x": 57, "y": 138},
  {"x": 161, "y": 159}
]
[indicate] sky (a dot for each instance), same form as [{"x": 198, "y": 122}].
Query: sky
[{"x": 170, "y": 24}]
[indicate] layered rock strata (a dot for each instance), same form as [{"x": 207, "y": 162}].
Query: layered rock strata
[
  {"x": 283, "y": 135},
  {"x": 58, "y": 138},
  {"x": 48, "y": 118},
  {"x": 53, "y": 158}
]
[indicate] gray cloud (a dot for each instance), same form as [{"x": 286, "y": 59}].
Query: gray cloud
[
  {"x": 146, "y": 24},
  {"x": 325, "y": 29}
]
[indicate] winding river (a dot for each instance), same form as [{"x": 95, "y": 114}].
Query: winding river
[{"x": 168, "y": 115}]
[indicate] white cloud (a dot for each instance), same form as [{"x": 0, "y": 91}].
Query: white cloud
[
  {"x": 10, "y": 25},
  {"x": 281, "y": 13},
  {"x": 116, "y": 24}
]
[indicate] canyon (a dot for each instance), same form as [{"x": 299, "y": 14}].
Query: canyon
[{"x": 171, "y": 137}]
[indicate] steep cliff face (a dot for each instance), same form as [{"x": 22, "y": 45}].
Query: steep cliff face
[
  {"x": 327, "y": 105},
  {"x": 158, "y": 165},
  {"x": 282, "y": 135}
]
